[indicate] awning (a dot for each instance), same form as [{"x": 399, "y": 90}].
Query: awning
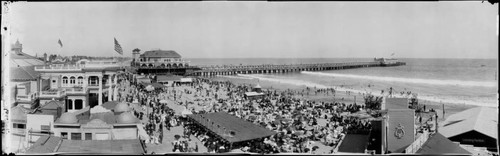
[
  {"x": 236, "y": 129},
  {"x": 166, "y": 78}
]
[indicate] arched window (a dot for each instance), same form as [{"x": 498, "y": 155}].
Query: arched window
[
  {"x": 80, "y": 80},
  {"x": 72, "y": 80},
  {"x": 65, "y": 81}
]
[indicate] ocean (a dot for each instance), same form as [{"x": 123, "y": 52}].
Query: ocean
[{"x": 457, "y": 81}]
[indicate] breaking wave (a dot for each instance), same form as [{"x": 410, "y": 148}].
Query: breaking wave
[
  {"x": 431, "y": 98},
  {"x": 409, "y": 80}
]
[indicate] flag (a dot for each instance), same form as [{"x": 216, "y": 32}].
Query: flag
[
  {"x": 118, "y": 48},
  {"x": 60, "y": 43},
  {"x": 392, "y": 54}
]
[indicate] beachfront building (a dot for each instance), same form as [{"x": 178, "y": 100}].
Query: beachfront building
[
  {"x": 98, "y": 123},
  {"x": 476, "y": 126},
  {"x": 88, "y": 83},
  {"x": 255, "y": 94},
  {"x": 23, "y": 77},
  {"x": 160, "y": 62}
]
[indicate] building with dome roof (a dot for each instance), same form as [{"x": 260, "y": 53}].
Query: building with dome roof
[
  {"x": 121, "y": 107},
  {"x": 161, "y": 62},
  {"x": 115, "y": 124}
]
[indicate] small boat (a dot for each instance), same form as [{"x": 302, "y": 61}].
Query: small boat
[{"x": 483, "y": 65}]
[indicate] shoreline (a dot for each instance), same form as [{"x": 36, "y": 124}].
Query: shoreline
[{"x": 450, "y": 108}]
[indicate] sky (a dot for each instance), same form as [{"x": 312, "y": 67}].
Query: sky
[{"x": 259, "y": 29}]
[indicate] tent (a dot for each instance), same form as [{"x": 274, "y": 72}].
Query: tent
[{"x": 186, "y": 112}]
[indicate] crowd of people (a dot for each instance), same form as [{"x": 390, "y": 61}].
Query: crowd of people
[{"x": 298, "y": 122}]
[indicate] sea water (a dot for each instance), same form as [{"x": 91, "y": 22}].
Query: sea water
[{"x": 459, "y": 81}]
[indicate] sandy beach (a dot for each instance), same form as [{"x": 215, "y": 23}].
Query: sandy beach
[{"x": 341, "y": 96}]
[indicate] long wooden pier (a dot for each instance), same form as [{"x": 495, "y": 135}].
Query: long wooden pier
[{"x": 263, "y": 69}]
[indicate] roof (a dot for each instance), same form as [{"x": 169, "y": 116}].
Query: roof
[
  {"x": 23, "y": 73},
  {"x": 110, "y": 104},
  {"x": 19, "y": 113},
  {"x": 354, "y": 143},
  {"x": 53, "y": 105},
  {"x": 161, "y": 53},
  {"x": 44, "y": 144},
  {"x": 48, "y": 144},
  {"x": 438, "y": 144},
  {"x": 108, "y": 117},
  {"x": 253, "y": 94},
  {"x": 132, "y": 146},
  {"x": 243, "y": 130},
  {"x": 165, "y": 78},
  {"x": 481, "y": 119},
  {"x": 24, "y": 59}
]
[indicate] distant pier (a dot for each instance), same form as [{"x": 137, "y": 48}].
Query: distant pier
[{"x": 264, "y": 69}]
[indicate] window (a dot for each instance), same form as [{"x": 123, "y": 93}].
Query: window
[
  {"x": 64, "y": 135},
  {"x": 70, "y": 104},
  {"x": 80, "y": 80},
  {"x": 88, "y": 136},
  {"x": 45, "y": 127},
  {"x": 72, "y": 80},
  {"x": 20, "y": 126},
  {"x": 93, "y": 80},
  {"x": 78, "y": 104},
  {"x": 65, "y": 81},
  {"x": 76, "y": 136}
]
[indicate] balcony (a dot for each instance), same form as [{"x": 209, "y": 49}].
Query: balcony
[
  {"x": 77, "y": 90},
  {"x": 30, "y": 97},
  {"x": 53, "y": 93}
]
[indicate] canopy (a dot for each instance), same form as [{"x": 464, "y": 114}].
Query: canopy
[{"x": 236, "y": 129}]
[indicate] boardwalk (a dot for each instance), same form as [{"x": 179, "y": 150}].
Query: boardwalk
[{"x": 263, "y": 69}]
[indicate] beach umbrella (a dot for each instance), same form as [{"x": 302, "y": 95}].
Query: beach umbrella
[{"x": 177, "y": 137}]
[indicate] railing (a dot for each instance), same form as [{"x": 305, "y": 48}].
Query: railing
[
  {"x": 29, "y": 97},
  {"x": 53, "y": 93},
  {"x": 23, "y": 98},
  {"x": 288, "y": 66},
  {"x": 160, "y": 61},
  {"x": 417, "y": 144},
  {"x": 53, "y": 67},
  {"x": 76, "y": 90}
]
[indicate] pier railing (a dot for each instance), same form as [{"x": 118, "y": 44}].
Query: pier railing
[{"x": 254, "y": 69}]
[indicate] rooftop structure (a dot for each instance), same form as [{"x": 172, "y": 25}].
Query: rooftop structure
[
  {"x": 53, "y": 145},
  {"x": 231, "y": 128},
  {"x": 476, "y": 126},
  {"x": 160, "y": 62}
]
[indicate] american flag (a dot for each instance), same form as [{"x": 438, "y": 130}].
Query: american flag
[
  {"x": 60, "y": 43},
  {"x": 118, "y": 48}
]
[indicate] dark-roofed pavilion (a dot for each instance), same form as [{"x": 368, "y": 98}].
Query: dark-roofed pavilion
[{"x": 231, "y": 128}]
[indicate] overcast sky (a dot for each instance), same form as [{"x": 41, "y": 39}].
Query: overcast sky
[{"x": 260, "y": 29}]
